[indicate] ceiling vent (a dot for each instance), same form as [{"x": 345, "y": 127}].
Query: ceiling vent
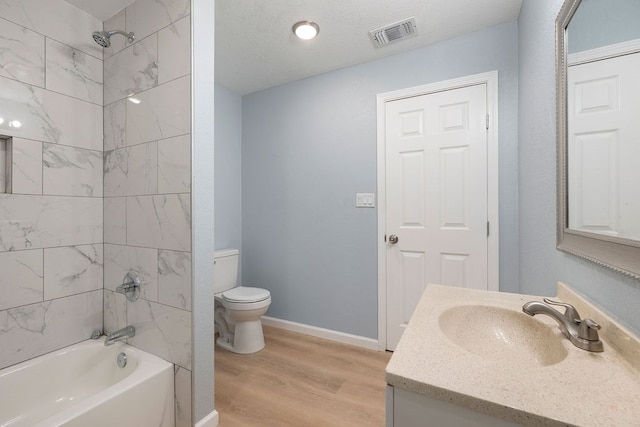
[{"x": 393, "y": 32}]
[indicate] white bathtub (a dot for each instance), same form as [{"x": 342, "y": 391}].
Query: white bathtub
[{"x": 83, "y": 386}]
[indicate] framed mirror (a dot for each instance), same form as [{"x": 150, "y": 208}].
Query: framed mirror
[{"x": 598, "y": 132}]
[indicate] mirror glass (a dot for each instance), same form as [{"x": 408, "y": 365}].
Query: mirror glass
[{"x": 603, "y": 119}]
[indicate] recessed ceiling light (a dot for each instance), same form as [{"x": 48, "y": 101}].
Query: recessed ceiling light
[{"x": 306, "y": 30}]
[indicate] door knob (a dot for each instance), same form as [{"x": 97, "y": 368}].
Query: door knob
[{"x": 393, "y": 239}]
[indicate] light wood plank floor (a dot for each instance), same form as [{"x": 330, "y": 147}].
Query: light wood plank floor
[{"x": 299, "y": 380}]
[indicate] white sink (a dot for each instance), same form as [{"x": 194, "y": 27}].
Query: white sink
[{"x": 502, "y": 335}]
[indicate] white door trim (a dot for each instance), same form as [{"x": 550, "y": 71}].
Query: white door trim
[
  {"x": 491, "y": 80},
  {"x": 605, "y": 52}
]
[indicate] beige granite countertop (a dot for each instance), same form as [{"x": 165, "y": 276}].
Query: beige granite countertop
[{"x": 584, "y": 389}]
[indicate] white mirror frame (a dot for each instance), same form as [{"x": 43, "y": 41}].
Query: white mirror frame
[{"x": 622, "y": 255}]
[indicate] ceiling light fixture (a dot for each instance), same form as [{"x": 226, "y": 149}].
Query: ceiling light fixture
[{"x": 306, "y": 30}]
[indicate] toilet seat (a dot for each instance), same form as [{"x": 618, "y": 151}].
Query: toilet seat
[{"x": 242, "y": 294}]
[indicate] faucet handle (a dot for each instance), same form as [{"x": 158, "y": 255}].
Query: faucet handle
[
  {"x": 570, "y": 313},
  {"x": 589, "y": 330}
]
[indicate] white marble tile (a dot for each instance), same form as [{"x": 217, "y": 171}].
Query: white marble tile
[
  {"x": 49, "y": 116},
  {"x": 182, "y": 383},
  {"x": 145, "y": 17},
  {"x": 131, "y": 71},
  {"x": 174, "y": 50},
  {"x": 56, "y": 19},
  {"x": 115, "y": 311},
  {"x": 115, "y": 220},
  {"x": 30, "y": 222},
  {"x": 162, "y": 222},
  {"x": 74, "y": 73},
  {"x": 21, "y": 278},
  {"x": 115, "y": 125},
  {"x": 119, "y": 260},
  {"x": 36, "y": 329},
  {"x": 116, "y": 169},
  {"x": 116, "y": 22},
  {"x": 161, "y": 330},
  {"x": 174, "y": 279},
  {"x": 131, "y": 171},
  {"x": 26, "y": 166},
  {"x": 21, "y": 54},
  {"x": 69, "y": 171},
  {"x": 174, "y": 165},
  {"x": 72, "y": 270},
  {"x": 163, "y": 112}
]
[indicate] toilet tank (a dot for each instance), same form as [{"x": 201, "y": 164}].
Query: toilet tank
[{"x": 225, "y": 270}]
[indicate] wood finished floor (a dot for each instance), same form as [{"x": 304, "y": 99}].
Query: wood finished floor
[{"x": 299, "y": 380}]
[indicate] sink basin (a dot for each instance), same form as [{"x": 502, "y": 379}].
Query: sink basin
[{"x": 502, "y": 335}]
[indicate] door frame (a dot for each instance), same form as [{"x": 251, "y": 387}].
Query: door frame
[{"x": 491, "y": 80}]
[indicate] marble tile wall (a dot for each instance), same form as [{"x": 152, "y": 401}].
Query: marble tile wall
[
  {"x": 147, "y": 187},
  {"x": 51, "y": 219},
  {"x": 100, "y": 181}
]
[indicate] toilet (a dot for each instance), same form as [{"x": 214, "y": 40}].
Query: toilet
[{"x": 237, "y": 308}]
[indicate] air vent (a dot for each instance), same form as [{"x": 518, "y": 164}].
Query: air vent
[{"x": 394, "y": 32}]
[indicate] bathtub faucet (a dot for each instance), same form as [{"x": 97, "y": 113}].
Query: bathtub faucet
[{"x": 120, "y": 335}]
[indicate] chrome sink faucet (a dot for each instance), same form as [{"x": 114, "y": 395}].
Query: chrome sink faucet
[
  {"x": 120, "y": 335},
  {"x": 583, "y": 333}
]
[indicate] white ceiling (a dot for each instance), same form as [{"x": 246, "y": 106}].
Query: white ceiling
[
  {"x": 101, "y": 9},
  {"x": 256, "y": 48}
]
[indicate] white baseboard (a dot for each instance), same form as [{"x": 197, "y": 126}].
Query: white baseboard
[
  {"x": 328, "y": 334},
  {"x": 211, "y": 420}
]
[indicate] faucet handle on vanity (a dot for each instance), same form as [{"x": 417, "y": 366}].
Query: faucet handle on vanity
[
  {"x": 570, "y": 311},
  {"x": 589, "y": 330}
]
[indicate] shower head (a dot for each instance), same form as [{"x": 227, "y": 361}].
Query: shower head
[{"x": 103, "y": 38}]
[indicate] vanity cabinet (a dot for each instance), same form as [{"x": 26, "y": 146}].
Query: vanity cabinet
[{"x": 409, "y": 409}]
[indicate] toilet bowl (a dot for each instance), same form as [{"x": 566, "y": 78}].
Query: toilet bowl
[{"x": 237, "y": 308}]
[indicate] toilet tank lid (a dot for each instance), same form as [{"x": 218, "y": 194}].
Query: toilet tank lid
[{"x": 221, "y": 253}]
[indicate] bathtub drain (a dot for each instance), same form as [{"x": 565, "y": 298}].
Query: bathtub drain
[{"x": 122, "y": 360}]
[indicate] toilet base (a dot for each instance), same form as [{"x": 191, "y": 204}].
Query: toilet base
[{"x": 246, "y": 338}]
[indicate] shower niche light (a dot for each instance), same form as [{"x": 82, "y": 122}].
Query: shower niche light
[{"x": 5, "y": 164}]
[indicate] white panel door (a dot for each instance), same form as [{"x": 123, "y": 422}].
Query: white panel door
[
  {"x": 603, "y": 129},
  {"x": 436, "y": 197}
]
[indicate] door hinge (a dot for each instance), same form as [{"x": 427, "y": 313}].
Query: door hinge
[
  {"x": 487, "y": 121},
  {"x": 487, "y": 228}
]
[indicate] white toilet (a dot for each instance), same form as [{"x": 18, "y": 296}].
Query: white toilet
[{"x": 237, "y": 308}]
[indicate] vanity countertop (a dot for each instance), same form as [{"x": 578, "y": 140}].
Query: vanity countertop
[{"x": 584, "y": 389}]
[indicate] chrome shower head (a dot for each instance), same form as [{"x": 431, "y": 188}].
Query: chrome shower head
[{"x": 103, "y": 38}]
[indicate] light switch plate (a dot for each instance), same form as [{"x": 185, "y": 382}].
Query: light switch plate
[{"x": 365, "y": 200}]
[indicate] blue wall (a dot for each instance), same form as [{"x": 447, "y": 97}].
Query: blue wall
[
  {"x": 310, "y": 145},
  {"x": 599, "y": 23},
  {"x": 541, "y": 265},
  {"x": 227, "y": 169}
]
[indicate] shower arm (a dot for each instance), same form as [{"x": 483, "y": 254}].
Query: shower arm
[{"x": 130, "y": 36}]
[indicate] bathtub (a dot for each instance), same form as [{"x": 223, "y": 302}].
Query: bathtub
[{"x": 82, "y": 385}]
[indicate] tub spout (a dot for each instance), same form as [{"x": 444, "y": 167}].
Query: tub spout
[{"x": 120, "y": 335}]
